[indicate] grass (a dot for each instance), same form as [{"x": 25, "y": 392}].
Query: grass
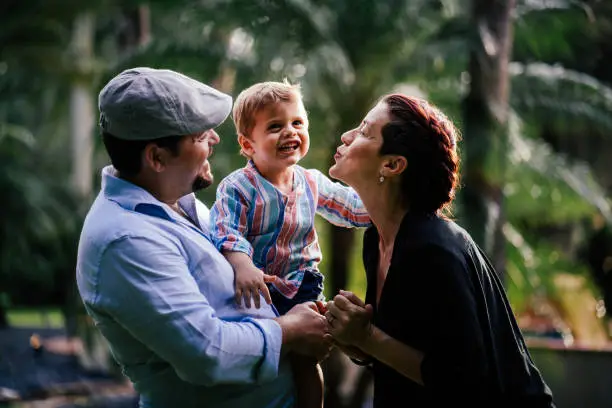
[{"x": 42, "y": 318}]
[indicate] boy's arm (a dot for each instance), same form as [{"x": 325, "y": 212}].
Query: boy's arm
[
  {"x": 339, "y": 204},
  {"x": 229, "y": 220},
  {"x": 250, "y": 280},
  {"x": 230, "y": 224}
]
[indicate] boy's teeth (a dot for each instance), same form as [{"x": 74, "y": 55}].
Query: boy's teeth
[{"x": 289, "y": 146}]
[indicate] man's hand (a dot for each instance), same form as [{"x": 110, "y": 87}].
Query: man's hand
[
  {"x": 250, "y": 281},
  {"x": 304, "y": 331}
]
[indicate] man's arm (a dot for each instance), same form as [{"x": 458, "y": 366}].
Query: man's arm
[{"x": 145, "y": 285}]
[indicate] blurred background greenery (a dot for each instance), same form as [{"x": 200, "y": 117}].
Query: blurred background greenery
[{"x": 527, "y": 82}]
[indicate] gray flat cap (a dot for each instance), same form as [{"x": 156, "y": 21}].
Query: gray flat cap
[{"x": 146, "y": 103}]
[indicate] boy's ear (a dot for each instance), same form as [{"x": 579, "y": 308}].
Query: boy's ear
[
  {"x": 394, "y": 166},
  {"x": 246, "y": 144},
  {"x": 155, "y": 157}
]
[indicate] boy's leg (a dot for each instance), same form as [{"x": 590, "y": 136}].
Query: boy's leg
[
  {"x": 307, "y": 372},
  {"x": 308, "y": 378}
]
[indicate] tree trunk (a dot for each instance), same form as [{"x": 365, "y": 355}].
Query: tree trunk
[
  {"x": 341, "y": 241},
  {"x": 81, "y": 139},
  {"x": 3, "y": 317},
  {"x": 485, "y": 116},
  {"x": 135, "y": 30},
  {"x": 340, "y": 247},
  {"x": 81, "y": 135}
]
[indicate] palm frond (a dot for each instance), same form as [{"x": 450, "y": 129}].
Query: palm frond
[
  {"x": 523, "y": 275},
  {"x": 555, "y": 94},
  {"x": 524, "y": 7},
  {"x": 540, "y": 157},
  {"x": 16, "y": 132}
]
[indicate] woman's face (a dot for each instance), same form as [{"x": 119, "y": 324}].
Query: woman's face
[{"x": 357, "y": 159}]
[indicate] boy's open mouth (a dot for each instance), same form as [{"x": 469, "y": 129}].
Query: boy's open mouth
[{"x": 289, "y": 146}]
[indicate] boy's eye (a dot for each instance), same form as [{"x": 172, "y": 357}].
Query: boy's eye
[
  {"x": 274, "y": 126},
  {"x": 298, "y": 123}
]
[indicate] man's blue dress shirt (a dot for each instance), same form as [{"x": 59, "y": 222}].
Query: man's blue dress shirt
[{"x": 162, "y": 295}]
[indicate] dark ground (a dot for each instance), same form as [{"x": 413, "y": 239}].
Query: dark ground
[{"x": 51, "y": 376}]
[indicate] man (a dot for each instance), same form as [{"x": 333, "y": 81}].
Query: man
[{"x": 154, "y": 284}]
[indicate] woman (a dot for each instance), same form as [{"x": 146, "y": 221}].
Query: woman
[{"x": 436, "y": 324}]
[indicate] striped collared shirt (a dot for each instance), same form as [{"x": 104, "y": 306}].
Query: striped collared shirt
[{"x": 277, "y": 230}]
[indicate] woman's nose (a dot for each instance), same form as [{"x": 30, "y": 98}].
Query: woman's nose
[{"x": 347, "y": 137}]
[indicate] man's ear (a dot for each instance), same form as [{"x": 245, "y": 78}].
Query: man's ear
[
  {"x": 246, "y": 145},
  {"x": 394, "y": 166},
  {"x": 155, "y": 157}
]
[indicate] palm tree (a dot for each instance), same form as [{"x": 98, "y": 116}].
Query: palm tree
[{"x": 485, "y": 116}]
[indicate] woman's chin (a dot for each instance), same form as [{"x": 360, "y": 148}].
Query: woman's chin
[
  {"x": 332, "y": 171},
  {"x": 335, "y": 174}
]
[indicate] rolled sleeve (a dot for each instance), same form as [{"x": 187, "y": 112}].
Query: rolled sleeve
[{"x": 273, "y": 335}]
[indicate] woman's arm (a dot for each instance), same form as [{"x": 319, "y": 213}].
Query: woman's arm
[
  {"x": 401, "y": 357},
  {"x": 355, "y": 354},
  {"x": 455, "y": 361},
  {"x": 350, "y": 325}
]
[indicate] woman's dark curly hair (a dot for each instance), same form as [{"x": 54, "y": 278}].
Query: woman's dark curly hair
[{"x": 427, "y": 139}]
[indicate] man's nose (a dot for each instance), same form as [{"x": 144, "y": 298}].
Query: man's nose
[{"x": 214, "y": 138}]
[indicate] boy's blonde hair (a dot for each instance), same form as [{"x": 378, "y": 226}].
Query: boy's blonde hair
[{"x": 257, "y": 97}]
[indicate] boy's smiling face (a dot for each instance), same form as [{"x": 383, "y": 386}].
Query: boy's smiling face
[{"x": 279, "y": 138}]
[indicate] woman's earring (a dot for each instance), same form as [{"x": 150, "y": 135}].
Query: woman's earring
[{"x": 381, "y": 179}]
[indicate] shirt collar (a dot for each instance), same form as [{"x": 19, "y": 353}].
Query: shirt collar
[
  {"x": 298, "y": 178},
  {"x": 129, "y": 195}
]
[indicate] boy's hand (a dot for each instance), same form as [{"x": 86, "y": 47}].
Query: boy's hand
[{"x": 250, "y": 282}]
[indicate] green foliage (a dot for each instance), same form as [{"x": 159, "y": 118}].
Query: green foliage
[
  {"x": 555, "y": 36},
  {"x": 563, "y": 99},
  {"x": 532, "y": 264},
  {"x": 536, "y": 198},
  {"x": 37, "y": 239},
  {"x": 345, "y": 54},
  {"x": 36, "y": 318},
  {"x": 545, "y": 187},
  {"x": 41, "y": 219}
]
